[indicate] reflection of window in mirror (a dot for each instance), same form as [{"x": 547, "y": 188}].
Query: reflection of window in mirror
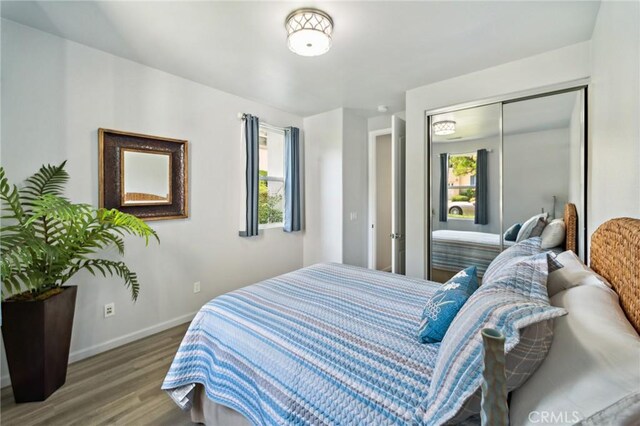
[
  {"x": 271, "y": 189},
  {"x": 461, "y": 182},
  {"x": 146, "y": 177}
]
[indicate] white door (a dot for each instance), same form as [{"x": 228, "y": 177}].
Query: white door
[{"x": 398, "y": 241}]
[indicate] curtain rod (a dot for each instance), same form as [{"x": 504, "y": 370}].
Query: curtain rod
[{"x": 263, "y": 124}]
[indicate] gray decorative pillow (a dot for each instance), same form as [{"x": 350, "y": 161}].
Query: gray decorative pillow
[
  {"x": 532, "y": 227},
  {"x": 525, "y": 248},
  {"x": 539, "y": 228},
  {"x": 520, "y": 363}
]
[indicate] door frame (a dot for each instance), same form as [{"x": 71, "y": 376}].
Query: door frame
[{"x": 371, "y": 224}]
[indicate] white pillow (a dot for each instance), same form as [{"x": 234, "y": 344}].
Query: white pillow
[
  {"x": 529, "y": 225},
  {"x": 553, "y": 234},
  {"x": 592, "y": 364},
  {"x": 573, "y": 273}
]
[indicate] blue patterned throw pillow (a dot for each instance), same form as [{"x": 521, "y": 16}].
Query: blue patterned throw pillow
[{"x": 443, "y": 306}]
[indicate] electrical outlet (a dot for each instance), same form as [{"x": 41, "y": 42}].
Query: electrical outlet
[
  {"x": 109, "y": 310},
  {"x": 196, "y": 287},
  {"x": 353, "y": 216}
]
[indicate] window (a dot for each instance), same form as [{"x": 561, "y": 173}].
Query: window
[
  {"x": 271, "y": 190},
  {"x": 461, "y": 195}
]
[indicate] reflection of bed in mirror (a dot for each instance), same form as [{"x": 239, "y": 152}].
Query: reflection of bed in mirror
[
  {"x": 142, "y": 198},
  {"x": 456, "y": 250},
  {"x": 453, "y": 251}
]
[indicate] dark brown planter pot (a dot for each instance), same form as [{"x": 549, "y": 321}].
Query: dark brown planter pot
[{"x": 37, "y": 336}]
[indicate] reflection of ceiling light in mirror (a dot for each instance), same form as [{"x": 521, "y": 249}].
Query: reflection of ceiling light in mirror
[
  {"x": 444, "y": 127},
  {"x": 309, "y": 32}
]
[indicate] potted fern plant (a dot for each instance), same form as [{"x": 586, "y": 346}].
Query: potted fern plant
[{"x": 45, "y": 240}]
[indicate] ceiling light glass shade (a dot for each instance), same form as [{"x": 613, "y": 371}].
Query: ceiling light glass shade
[
  {"x": 445, "y": 127},
  {"x": 309, "y": 32}
]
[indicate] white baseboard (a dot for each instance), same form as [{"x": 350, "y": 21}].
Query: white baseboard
[{"x": 118, "y": 341}]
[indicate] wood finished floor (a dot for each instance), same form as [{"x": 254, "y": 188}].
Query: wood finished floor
[{"x": 118, "y": 387}]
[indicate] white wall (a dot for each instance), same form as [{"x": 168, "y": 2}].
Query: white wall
[
  {"x": 562, "y": 65},
  {"x": 56, "y": 94},
  {"x": 336, "y": 186},
  {"x": 614, "y": 108},
  {"x": 355, "y": 188},
  {"x": 323, "y": 187},
  {"x": 381, "y": 122},
  {"x": 493, "y": 164},
  {"x": 536, "y": 167}
]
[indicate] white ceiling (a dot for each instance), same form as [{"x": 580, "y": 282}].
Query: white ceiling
[
  {"x": 380, "y": 49},
  {"x": 530, "y": 115}
]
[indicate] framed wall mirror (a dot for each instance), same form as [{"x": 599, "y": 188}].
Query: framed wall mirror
[
  {"x": 499, "y": 167},
  {"x": 143, "y": 175}
]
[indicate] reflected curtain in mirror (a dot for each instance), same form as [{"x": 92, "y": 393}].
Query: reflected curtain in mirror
[
  {"x": 292, "y": 208},
  {"x": 444, "y": 189},
  {"x": 482, "y": 190},
  {"x": 252, "y": 176}
]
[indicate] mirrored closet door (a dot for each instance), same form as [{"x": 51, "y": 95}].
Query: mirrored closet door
[
  {"x": 495, "y": 170},
  {"x": 465, "y": 182},
  {"x": 543, "y": 167}
]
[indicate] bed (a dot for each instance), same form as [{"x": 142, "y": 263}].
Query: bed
[
  {"x": 455, "y": 250},
  {"x": 335, "y": 344},
  {"x": 329, "y": 335}
]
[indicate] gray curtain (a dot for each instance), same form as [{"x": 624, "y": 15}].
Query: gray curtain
[
  {"x": 251, "y": 132},
  {"x": 482, "y": 188},
  {"x": 444, "y": 178},
  {"x": 292, "y": 179}
]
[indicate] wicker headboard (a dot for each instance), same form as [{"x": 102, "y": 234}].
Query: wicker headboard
[
  {"x": 571, "y": 226},
  {"x": 615, "y": 254}
]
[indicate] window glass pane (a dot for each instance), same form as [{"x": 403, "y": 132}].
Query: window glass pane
[
  {"x": 271, "y": 153},
  {"x": 271, "y": 194},
  {"x": 462, "y": 191},
  {"x": 270, "y": 202}
]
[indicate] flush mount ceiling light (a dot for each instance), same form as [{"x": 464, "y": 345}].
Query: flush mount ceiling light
[
  {"x": 309, "y": 32},
  {"x": 444, "y": 127}
]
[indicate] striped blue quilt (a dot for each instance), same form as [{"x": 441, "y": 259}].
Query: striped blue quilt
[{"x": 328, "y": 344}]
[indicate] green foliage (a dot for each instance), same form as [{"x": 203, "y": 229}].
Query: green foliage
[
  {"x": 459, "y": 198},
  {"x": 470, "y": 193},
  {"x": 463, "y": 164},
  {"x": 269, "y": 210},
  {"x": 46, "y": 239}
]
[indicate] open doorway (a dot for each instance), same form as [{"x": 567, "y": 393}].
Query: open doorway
[{"x": 386, "y": 198}]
